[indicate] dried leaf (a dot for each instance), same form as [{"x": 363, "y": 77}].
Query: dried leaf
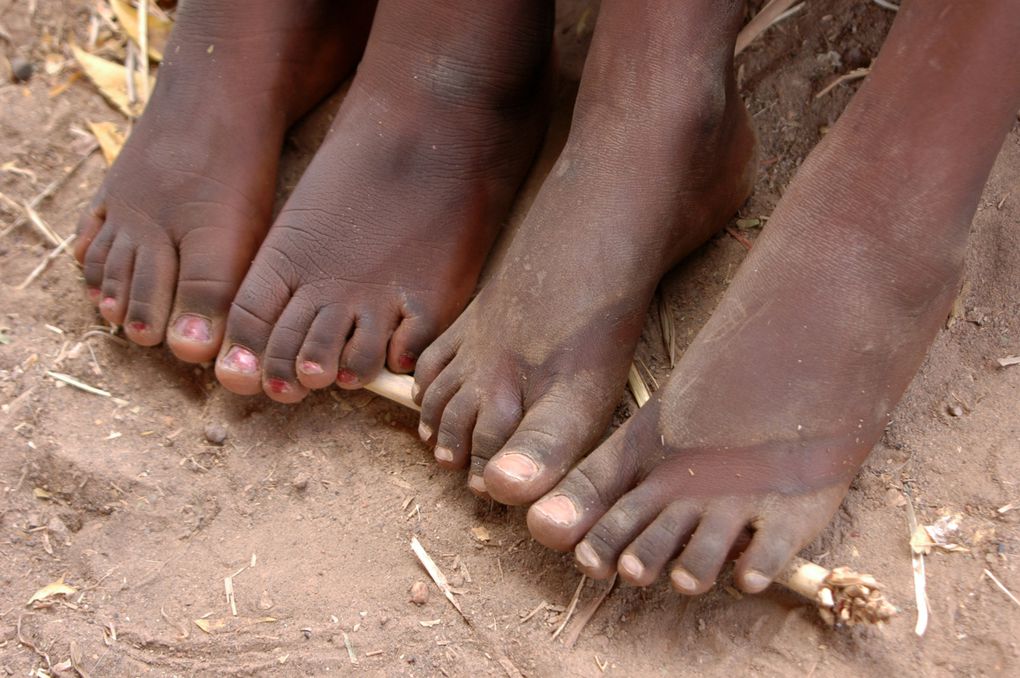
[
  {"x": 159, "y": 28},
  {"x": 920, "y": 541},
  {"x": 210, "y": 625},
  {"x": 110, "y": 139},
  {"x": 480, "y": 533},
  {"x": 57, "y": 588},
  {"x": 111, "y": 79}
]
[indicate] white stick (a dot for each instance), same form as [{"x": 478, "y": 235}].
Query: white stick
[{"x": 395, "y": 387}]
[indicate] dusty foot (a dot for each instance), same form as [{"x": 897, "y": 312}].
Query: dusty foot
[
  {"x": 782, "y": 395},
  {"x": 173, "y": 228},
  {"x": 536, "y": 365},
  {"x": 381, "y": 244}
]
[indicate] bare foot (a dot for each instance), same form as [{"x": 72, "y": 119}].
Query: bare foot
[
  {"x": 782, "y": 395},
  {"x": 381, "y": 244},
  {"x": 530, "y": 374},
  {"x": 173, "y": 228}
]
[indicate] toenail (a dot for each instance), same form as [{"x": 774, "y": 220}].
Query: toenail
[
  {"x": 424, "y": 432},
  {"x": 309, "y": 367},
  {"x": 137, "y": 326},
  {"x": 559, "y": 509},
  {"x": 755, "y": 581},
  {"x": 277, "y": 385},
  {"x": 517, "y": 466},
  {"x": 345, "y": 376},
  {"x": 632, "y": 566},
  {"x": 683, "y": 580},
  {"x": 108, "y": 302},
  {"x": 193, "y": 328},
  {"x": 586, "y": 555},
  {"x": 444, "y": 454},
  {"x": 477, "y": 483},
  {"x": 241, "y": 360},
  {"x": 406, "y": 361}
]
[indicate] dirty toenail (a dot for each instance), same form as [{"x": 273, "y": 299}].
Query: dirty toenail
[
  {"x": 424, "y": 432},
  {"x": 108, "y": 302},
  {"x": 241, "y": 360},
  {"x": 517, "y": 466},
  {"x": 683, "y": 580},
  {"x": 632, "y": 566},
  {"x": 406, "y": 361},
  {"x": 477, "y": 483},
  {"x": 443, "y": 454},
  {"x": 310, "y": 367},
  {"x": 193, "y": 328},
  {"x": 137, "y": 326},
  {"x": 755, "y": 581},
  {"x": 93, "y": 294},
  {"x": 586, "y": 556},
  {"x": 345, "y": 376},
  {"x": 277, "y": 385},
  {"x": 559, "y": 509}
]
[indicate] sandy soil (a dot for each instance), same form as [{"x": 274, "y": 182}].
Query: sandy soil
[{"x": 312, "y": 508}]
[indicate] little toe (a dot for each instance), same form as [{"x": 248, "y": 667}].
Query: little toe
[
  {"x": 411, "y": 337},
  {"x": 94, "y": 262},
  {"x": 773, "y": 546},
  {"x": 642, "y": 562},
  {"x": 561, "y": 518},
  {"x": 434, "y": 401},
  {"x": 89, "y": 225},
  {"x": 152, "y": 295},
  {"x": 319, "y": 359},
  {"x": 364, "y": 355},
  {"x": 597, "y": 554},
  {"x": 114, "y": 292},
  {"x": 553, "y": 434},
  {"x": 279, "y": 363},
  {"x": 453, "y": 437},
  {"x": 704, "y": 556}
]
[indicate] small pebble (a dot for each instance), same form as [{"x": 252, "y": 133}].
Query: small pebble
[
  {"x": 216, "y": 433},
  {"x": 419, "y": 593},
  {"x": 956, "y": 411},
  {"x": 300, "y": 482},
  {"x": 21, "y": 69}
]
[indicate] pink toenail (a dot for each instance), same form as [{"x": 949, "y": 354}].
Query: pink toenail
[
  {"x": 309, "y": 367},
  {"x": 406, "y": 362},
  {"x": 477, "y": 483},
  {"x": 345, "y": 376},
  {"x": 108, "y": 302},
  {"x": 424, "y": 432},
  {"x": 277, "y": 385},
  {"x": 632, "y": 565},
  {"x": 137, "y": 326},
  {"x": 93, "y": 293},
  {"x": 193, "y": 328},
  {"x": 586, "y": 556},
  {"x": 755, "y": 581},
  {"x": 683, "y": 580},
  {"x": 558, "y": 509},
  {"x": 517, "y": 466},
  {"x": 443, "y": 454},
  {"x": 241, "y": 360}
]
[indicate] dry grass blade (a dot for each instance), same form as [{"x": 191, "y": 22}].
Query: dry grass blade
[
  {"x": 437, "y": 575},
  {"x": 855, "y": 74},
  {"x": 44, "y": 229},
  {"x": 769, "y": 15},
  {"x": 50, "y": 189},
  {"x": 668, "y": 330},
  {"x": 1002, "y": 587},
  {"x": 917, "y": 564},
  {"x": 638, "y": 386},
  {"x": 157, "y": 28},
  {"x": 80, "y": 385},
  {"x": 53, "y": 254},
  {"x": 570, "y": 608},
  {"x": 111, "y": 79},
  {"x": 584, "y": 617}
]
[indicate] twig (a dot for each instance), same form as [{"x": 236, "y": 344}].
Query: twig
[
  {"x": 53, "y": 254},
  {"x": 589, "y": 612},
  {"x": 48, "y": 192},
  {"x": 41, "y": 226},
  {"x": 30, "y": 645},
  {"x": 1009, "y": 361},
  {"x": 395, "y": 387},
  {"x": 1002, "y": 587},
  {"x": 541, "y": 606},
  {"x": 570, "y": 608},
  {"x": 769, "y": 15},
  {"x": 67, "y": 379},
  {"x": 437, "y": 575},
  {"x": 739, "y": 238},
  {"x": 855, "y": 74},
  {"x": 886, "y": 4}
]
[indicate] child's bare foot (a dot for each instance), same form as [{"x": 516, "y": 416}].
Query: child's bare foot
[
  {"x": 659, "y": 156},
  {"x": 173, "y": 228},
  {"x": 790, "y": 384},
  {"x": 381, "y": 244}
]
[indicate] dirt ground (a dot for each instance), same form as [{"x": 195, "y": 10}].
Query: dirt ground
[{"x": 311, "y": 508}]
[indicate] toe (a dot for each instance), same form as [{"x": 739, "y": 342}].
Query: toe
[
  {"x": 642, "y": 562},
  {"x": 597, "y": 554},
  {"x": 210, "y": 272},
  {"x": 560, "y": 519},
  {"x": 772, "y": 546},
  {"x": 364, "y": 355},
  {"x": 279, "y": 364},
  {"x": 94, "y": 261},
  {"x": 453, "y": 438},
  {"x": 410, "y": 338},
  {"x": 554, "y": 433},
  {"x": 89, "y": 225},
  {"x": 319, "y": 359},
  {"x": 432, "y": 363},
  {"x": 434, "y": 402},
  {"x": 114, "y": 292},
  {"x": 706, "y": 553},
  {"x": 497, "y": 419},
  {"x": 152, "y": 294}
]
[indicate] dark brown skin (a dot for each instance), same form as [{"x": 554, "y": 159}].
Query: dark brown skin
[
  {"x": 651, "y": 169},
  {"x": 171, "y": 232},
  {"x": 381, "y": 244},
  {"x": 782, "y": 395}
]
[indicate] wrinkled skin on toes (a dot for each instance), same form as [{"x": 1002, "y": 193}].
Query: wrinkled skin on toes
[{"x": 175, "y": 225}]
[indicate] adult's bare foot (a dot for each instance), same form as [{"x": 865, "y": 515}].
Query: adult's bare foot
[
  {"x": 171, "y": 232},
  {"x": 381, "y": 244},
  {"x": 658, "y": 158},
  {"x": 788, "y": 387}
]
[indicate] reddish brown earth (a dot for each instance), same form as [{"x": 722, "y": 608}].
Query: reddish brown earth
[{"x": 126, "y": 499}]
